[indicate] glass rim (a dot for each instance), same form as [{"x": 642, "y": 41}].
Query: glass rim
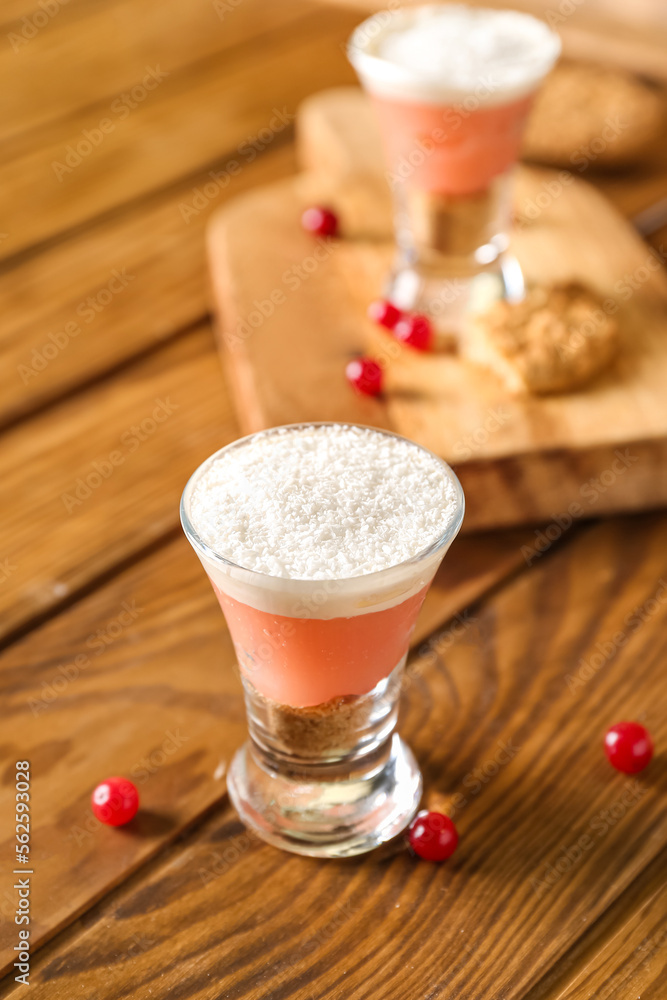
[
  {"x": 216, "y": 558},
  {"x": 372, "y": 66}
]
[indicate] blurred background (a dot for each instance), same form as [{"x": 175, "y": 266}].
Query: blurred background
[{"x": 114, "y": 114}]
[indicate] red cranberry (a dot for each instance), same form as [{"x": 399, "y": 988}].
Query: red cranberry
[
  {"x": 433, "y": 836},
  {"x": 320, "y": 221},
  {"x": 365, "y": 375},
  {"x": 628, "y": 747},
  {"x": 115, "y": 801},
  {"x": 385, "y": 313},
  {"x": 416, "y": 331}
]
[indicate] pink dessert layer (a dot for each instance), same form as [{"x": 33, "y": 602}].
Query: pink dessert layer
[
  {"x": 309, "y": 661},
  {"x": 448, "y": 150}
]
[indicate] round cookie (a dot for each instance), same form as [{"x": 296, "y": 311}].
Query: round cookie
[
  {"x": 592, "y": 116},
  {"x": 554, "y": 340}
]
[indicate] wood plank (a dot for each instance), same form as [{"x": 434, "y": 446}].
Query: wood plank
[
  {"x": 633, "y": 194},
  {"x": 635, "y": 964},
  {"x": 478, "y": 563},
  {"x": 156, "y": 659},
  {"x": 219, "y": 915},
  {"x": 142, "y": 699},
  {"x": 14, "y": 10},
  {"x": 521, "y": 458},
  {"x": 623, "y": 954},
  {"x": 192, "y": 118},
  {"x": 160, "y": 418},
  {"x": 41, "y": 76},
  {"x": 165, "y": 288}
]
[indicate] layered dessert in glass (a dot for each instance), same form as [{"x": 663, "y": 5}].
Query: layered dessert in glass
[
  {"x": 320, "y": 541},
  {"x": 452, "y": 87}
]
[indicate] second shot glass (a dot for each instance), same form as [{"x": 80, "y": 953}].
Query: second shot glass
[{"x": 452, "y": 87}]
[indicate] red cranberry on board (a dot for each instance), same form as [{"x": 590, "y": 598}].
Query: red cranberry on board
[
  {"x": 320, "y": 221},
  {"x": 365, "y": 375},
  {"x": 385, "y": 313},
  {"x": 415, "y": 331}
]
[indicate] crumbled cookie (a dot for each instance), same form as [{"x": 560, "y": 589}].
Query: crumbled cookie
[
  {"x": 592, "y": 116},
  {"x": 554, "y": 340},
  {"x": 319, "y": 729},
  {"x": 450, "y": 224},
  {"x": 316, "y": 730}
]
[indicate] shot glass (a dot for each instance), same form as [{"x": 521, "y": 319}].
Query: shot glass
[
  {"x": 451, "y": 131},
  {"x": 324, "y": 772}
]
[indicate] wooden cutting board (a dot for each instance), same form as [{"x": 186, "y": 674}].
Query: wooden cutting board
[{"x": 292, "y": 312}]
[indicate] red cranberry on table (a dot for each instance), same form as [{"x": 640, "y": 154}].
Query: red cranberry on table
[
  {"x": 433, "y": 836},
  {"x": 115, "y": 801},
  {"x": 320, "y": 220},
  {"x": 365, "y": 375},
  {"x": 416, "y": 331},
  {"x": 628, "y": 746},
  {"x": 385, "y": 313}
]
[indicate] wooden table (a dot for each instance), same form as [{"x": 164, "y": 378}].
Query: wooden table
[{"x": 121, "y": 122}]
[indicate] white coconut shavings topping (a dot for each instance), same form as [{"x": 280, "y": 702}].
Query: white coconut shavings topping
[
  {"x": 322, "y": 503},
  {"x": 445, "y": 52},
  {"x": 459, "y": 45}
]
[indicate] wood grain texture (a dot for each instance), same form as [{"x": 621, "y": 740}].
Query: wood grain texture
[
  {"x": 478, "y": 563},
  {"x": 185, "y": 903},
  {"x": 139, "y": 678},
  {"x": 145, "y": 272},
  {"x": 515, "y": 750},
  {"x": 624, "y": 954},
  {"x": 103, "y": 476},
  {"x": 145, "y": 699},
  {"x": 77, "y": 50},
  {"x": 634, "y": 963},
  {"x": 520, "y": 458},
  {"x": 191, "y": 117}
]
